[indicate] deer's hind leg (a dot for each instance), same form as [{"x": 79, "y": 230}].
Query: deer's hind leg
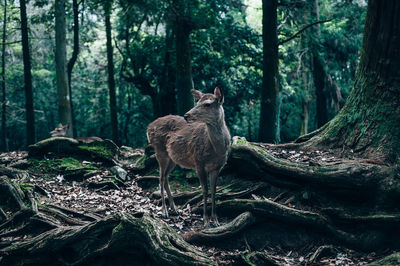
[
  {"x": 204, "y": 187},
  {"x": 168, "y": 169},
  {"x": 163, "y": 161},
  {"x": 213, "y": 185}
]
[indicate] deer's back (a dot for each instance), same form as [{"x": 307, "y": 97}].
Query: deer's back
[{"x": 159, "y": 130}]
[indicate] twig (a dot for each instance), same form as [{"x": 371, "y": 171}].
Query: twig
[{"x": 303, "y": 29}]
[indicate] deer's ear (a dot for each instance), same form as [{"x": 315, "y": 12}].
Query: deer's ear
[
  {"x": 220, "y": 96},
  {"x": 197, "y": 94}
]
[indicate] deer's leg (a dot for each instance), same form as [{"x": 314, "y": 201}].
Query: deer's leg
[
  {"x": 163, "y": 159},
  {"x": 213, "y": 185},
  {"x": 168, "y": 170},
  {"x": 203, "y": 181}
]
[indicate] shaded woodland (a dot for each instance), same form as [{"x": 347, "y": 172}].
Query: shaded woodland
[{"x": 311, "y": 96}]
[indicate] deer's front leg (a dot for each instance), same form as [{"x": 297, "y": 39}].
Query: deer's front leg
[
  {"x": 213, "y": 185},
  {"x": 203, "y": 181}
]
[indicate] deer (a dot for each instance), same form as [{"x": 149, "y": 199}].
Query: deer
[
  {"x": 199, "y": 140},
  {"x": 61, "y": 131}
]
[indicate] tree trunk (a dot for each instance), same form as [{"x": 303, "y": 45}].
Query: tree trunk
[
  {"x": 73, "y": 59},
  {"x": 369, "y": 122},
  {"x": 110, "y": 70},
  {"x": 270, "y": 84},
  {"x": 30, "y": 115},
  {"x": 319, "y": 74},
  {"x": 184, "y": 80},
  {"x": 306, "y": 91},
  {"x": 4, "y": 144},
  {"x": 167, "y": 90},
  {"x": 64, "y": 99}
]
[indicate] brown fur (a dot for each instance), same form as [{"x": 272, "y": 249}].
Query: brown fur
[{"x": 200, "y": 143}]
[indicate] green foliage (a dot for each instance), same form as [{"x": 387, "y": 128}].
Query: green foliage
[{"x": 226, "y": 51}]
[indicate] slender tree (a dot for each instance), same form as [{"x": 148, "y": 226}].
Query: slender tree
[
  {"x": 184, "y": 79},
  {"x": 4, "y": 143},
  {"x": 30, "y": 115},
  {"x": 270, "y": 83},
  {"x": 72, "y": 60},
  {"x": 64, "y": 99},
  {"x": 110, "y": 72}
]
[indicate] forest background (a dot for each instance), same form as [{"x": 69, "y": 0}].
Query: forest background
[{"x": 158, "y": 47}]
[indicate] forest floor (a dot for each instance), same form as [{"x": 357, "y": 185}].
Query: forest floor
[{"x": 130, "y": 197}]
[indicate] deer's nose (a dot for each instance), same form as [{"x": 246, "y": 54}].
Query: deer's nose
[{"x": 186, "y": 116}]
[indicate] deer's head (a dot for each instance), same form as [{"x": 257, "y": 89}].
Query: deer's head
[
  {"x": 208, "y": 108},
  {"x": 60, "y": 131}
]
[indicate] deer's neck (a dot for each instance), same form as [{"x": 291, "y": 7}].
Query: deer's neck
[{"x": 219, "y": 134}]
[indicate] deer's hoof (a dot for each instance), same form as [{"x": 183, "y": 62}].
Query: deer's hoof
[
  {"x": 215, "y": 224},
  {"x": 176, "y": 212},
  {"x": 208, "y": 226}
]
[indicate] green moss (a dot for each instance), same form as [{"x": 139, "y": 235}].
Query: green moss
[
  {"x": 65, "y": 166},
  {"x": 239, "y": 141},
  {"x": 104, "y": 150},
  {"x": 25, "y": 187},
  {"x": 140, "y": 163}
]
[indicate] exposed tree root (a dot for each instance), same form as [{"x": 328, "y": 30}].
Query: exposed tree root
[
  {"x": 208, "y": 236},
  {"x": 13, "y": 172},
  {"x": 364, "y": 237},
  {"x": 11, "y": 196},
  {"x": 347, "y": 175},
  {"x": 105, "y": 151},
  {"x": 138, "y": 239}
]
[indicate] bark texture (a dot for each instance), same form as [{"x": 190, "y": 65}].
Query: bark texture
[
  {"x": 270, "y": 85},
  {"x": 110, "y": 72},
  {"x": 4, "y": 144},
  {"x": 64, "y": 99},
  {"x": 184, "y": 80},
  {"x": 30, "y": 115},
  {"x": 72, "y": 60}
]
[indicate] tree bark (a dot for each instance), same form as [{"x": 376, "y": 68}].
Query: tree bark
[
  {"x": 270, "y": 85},
  {"x": 30, "y": 115},
  {"x": 369, "y": 122},
  {"x": 4, "y": 144},
  {"x": 110, "y": 72},
  {"x": 64, "y": 99},
  {"x": 184, "y": 80},
  {"x": 306, "y": 90},
  {"x": 167, "y": 90},
  {"x": 72, "y": 60}
]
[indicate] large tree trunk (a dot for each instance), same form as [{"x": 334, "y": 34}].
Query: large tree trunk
[
  {"x": 64, "y": 99},
  {"x": 4, "y": 145},
  {"x": 30, "y": 115},
  {"x": 270, "y": 84},
  {"x": 369, "y": 122},
  {"x": 110, "y": 70},
  {"x": 72, "y": 60},
  {"x": 184, "y": 80}
]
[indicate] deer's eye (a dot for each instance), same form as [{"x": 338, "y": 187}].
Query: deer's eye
[{"x": 207, "y": 105}]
